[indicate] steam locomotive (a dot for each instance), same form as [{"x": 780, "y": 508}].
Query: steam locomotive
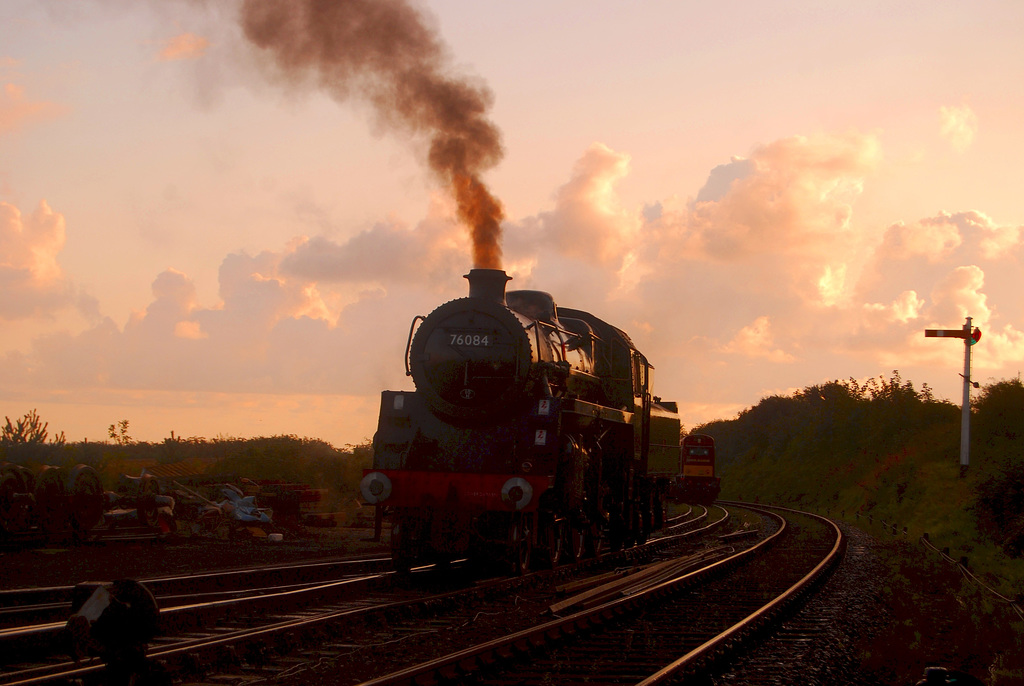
[{"x": 532, "y": 433}]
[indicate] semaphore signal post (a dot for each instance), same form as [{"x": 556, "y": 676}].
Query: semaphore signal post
[{"x": 970, "y": 336}]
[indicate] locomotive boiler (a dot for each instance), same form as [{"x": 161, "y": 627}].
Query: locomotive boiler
[{"x": 529, "y": 432}]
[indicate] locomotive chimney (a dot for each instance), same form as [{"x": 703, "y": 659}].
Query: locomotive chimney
[{"x": 488, "y": 284}]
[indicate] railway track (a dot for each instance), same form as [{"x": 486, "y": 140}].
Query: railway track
[
  {"x": 658, "y": 634},
  {"x": 191, "y": 602},
  {"x": 29, "y": 606},
  {"x": 200, "y": 637}
]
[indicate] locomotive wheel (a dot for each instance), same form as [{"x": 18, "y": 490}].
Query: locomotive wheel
[
  {"x": 593, "y": 541},
  {"x": 619, "y": 536},
  {"x": 401, "y": 559},
  {"x": 573, "y": 543},
  {"x": 87, "y": 499},
  {"x": 642, "y": 528},
  {"x": 51, "y": 501},
  {"x": 520, "y": 548},
  {"x": 554, "y": 537}
]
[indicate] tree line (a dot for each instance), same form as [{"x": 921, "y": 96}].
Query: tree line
[
  {"x": 288, "y": 458},
  {"x": 884, "y": 447}
]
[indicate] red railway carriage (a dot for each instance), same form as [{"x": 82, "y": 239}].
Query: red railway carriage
[{"x": 697, "y": 482}]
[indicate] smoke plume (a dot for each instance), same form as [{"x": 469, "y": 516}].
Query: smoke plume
[{"x": 384, "y": 52}]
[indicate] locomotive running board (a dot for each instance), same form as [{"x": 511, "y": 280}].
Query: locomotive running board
[{"x": 586, "y": 409}]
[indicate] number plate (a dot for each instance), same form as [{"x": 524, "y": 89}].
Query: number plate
[{"x": 471, "y": 339}]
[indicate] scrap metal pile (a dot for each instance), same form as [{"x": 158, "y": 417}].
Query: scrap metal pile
[
  {"x": 222, "y": 510},
  {"x": 70, "y": 502}
]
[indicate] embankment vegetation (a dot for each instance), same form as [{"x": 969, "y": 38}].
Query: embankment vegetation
[{"x": 889, "y": 451}]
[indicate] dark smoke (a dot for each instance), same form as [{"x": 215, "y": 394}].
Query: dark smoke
[{"x": 383, "y": 51}]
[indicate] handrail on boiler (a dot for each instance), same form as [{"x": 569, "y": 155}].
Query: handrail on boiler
[{"x": 408, "y": 344}]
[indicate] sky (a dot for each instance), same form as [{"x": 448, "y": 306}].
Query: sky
[{"x": 764, "y": 196}]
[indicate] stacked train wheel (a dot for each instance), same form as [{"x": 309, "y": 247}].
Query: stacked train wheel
[
  {"x": 51, "y": 504},
  {"x": 149, "y": 489},
  {"x": 85, "y": 498},
  {"x": 52, "y": 501},
  {"x": 16, "y": 486}
]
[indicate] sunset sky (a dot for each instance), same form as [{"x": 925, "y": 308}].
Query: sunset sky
[{"x": 764, "y": 195}]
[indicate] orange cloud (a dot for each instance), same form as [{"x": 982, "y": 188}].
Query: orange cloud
[
  {"x": 959, "y": 124},
  {"x": 429, "y": 252},
  {"x": 756, "y": 340},
  {"x": 31, "y": 280},
  {"x": 796, "y": 196},
  {"x": 934, "y": 239},
  {"x": 783, "y": 215},
  {"x": 959, "y": 295},
  {"x": 588, "y": 221},
  {"x": 187, "y": 46},
  {"x": 17, "y": 111}
]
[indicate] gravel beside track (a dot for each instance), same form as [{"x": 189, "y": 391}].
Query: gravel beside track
[
  {"x": 872, "y": 627},
  {"x": 821, "y": 644}
]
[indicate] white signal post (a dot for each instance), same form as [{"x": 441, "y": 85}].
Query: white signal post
[{"x": 970, "y": 336}]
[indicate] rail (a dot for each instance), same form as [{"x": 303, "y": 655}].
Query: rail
[{"x": 453, "y": 667}]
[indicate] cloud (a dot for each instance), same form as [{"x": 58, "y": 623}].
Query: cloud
[
  {"x": 906, "y": 307},
  {"x": 935, "y": 272},
  {"x": 721, "y": 179},
  {"x": 958, "y": 126},
  {"x": 185, "y": 46},
  {"x": 932, "y": 239},
  {"x": 764, "y": 266},
  {"x": 32, "y": 283},
  {"x": 18, "y": 111},
  {"x": 941, "y": 237},
  {"x": 924, "y": 252},
  {"x": 588, "y": 222},
  {"x": 587, "y": 244},
  {"x": 756, "y": 340},
  {"x": 273, "y": 332},
  {"x": 987, "y": 239},
  {"x": 794, "y": 194},
  {"x": 1003, "y": 349},
  {"x": 389, "y": 252},
  {"x": 782, "y": 215},
  {"x": 959, "y": 295}
]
